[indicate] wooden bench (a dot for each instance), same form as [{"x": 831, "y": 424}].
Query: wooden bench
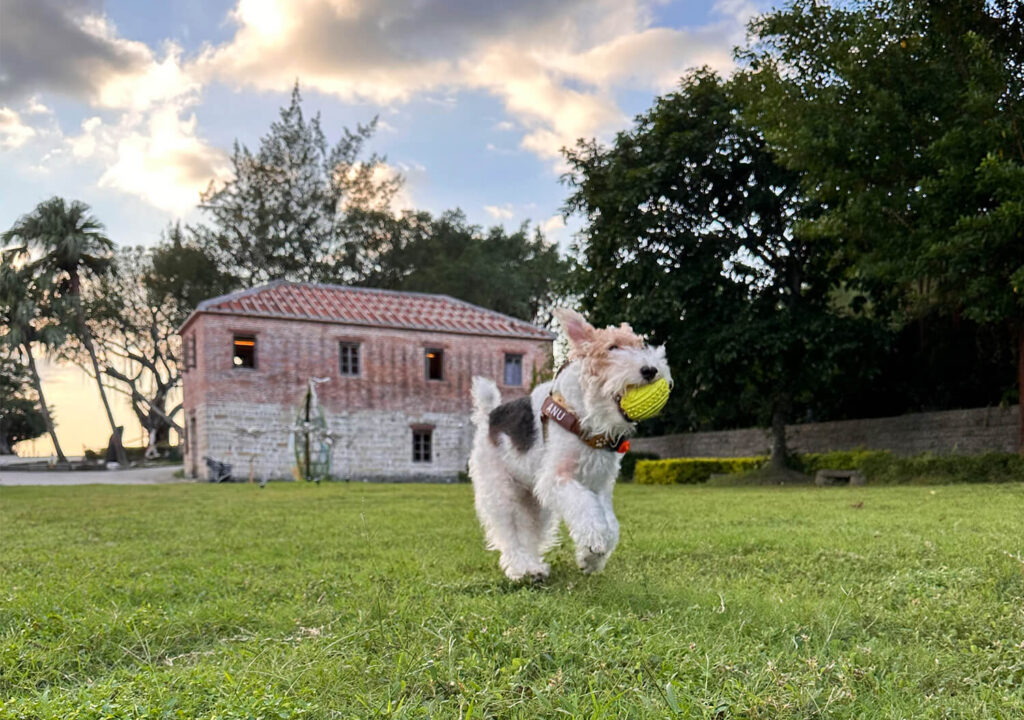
[{"x": 838, "y": 478}]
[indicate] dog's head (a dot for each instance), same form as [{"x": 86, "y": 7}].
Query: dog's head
[{"x": 611, "y": 361}]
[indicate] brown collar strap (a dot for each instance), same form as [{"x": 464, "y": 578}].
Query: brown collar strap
[{"x": 555, "y": 409}]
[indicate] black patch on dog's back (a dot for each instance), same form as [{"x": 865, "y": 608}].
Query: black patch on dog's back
[{"x": 515, "y": 419}]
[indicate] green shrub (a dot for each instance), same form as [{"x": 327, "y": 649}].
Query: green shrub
[
  {"x": 859, "y": 459},
  {"x": 928, "y": 469},
  {"x": 688, "y": 471},
  {"x": 879, "y": 467},
  {"x": 628, "y": 469}
]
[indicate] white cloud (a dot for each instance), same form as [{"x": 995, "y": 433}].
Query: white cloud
[
  {"x": 555, "y": 65},
  {"x": 161, "y": 160},
  {"x": 555, "y": 231},
  {"x": 13, "y": 132},
  {"x": 144, "y": 139},
  {"x": 500, "y": 212},
  {"x": 35, "y": 107},
  {"x": 553, "y": 224}
]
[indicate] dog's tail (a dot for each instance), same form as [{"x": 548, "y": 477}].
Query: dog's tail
[{"x": 486, "y": 397}]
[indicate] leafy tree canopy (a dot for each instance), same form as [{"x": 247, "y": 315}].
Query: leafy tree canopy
[
  {"x": 285, "y": 212},
  {"x": 300, "y": 209},
  {"x": 695, "y": 234},
  {"x": 517, "y": 273},
  {"x": 905, "y": 119},
  {"x": 20, "y": 418}
]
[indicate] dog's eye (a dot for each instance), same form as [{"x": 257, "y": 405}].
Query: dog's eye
[{"x": 612, "y": 347}]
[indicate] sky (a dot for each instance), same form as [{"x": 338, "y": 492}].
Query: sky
[{"x": 133, "y": 107}]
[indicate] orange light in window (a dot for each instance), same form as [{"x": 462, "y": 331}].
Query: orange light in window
[
  {"x": 431, "y": 355},
  {"x": 245, "y": 343}
]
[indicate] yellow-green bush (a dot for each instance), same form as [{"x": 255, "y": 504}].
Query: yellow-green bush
[
  {"x": 688, "y": 471},
  {"x": 860, "y": 459},
  {"x": 628, "y": 467},
  {"x": 878, "y": 466}
]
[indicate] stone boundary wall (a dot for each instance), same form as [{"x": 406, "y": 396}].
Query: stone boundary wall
[{"x": 965, "y": 432}]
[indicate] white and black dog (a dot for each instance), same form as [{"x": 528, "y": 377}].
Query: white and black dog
[{"x": 553, "y": 455}]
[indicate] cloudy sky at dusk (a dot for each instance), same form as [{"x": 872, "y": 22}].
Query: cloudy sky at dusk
[{"x": 133, "y": 107}]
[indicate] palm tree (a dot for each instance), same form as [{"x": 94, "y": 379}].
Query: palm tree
[
  {"x": 21, "y": 324},
  {"x": 73, "y": 246}
]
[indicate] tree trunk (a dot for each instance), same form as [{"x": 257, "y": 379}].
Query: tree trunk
[
  {"x": 86, "y": 337},
  {"x": 5, "y": 447},
  {"x": 158, "y": 432},
  {"x": 42, "y": 404},
  {"x": 1020, "y": 386},
  {"x": 779, "y": 451},
  {"x": 780, "y": 414}
]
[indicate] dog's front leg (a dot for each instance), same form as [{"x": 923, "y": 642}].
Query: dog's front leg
[
  {"x": 581, "y": 508},
  {"x": 595, "y": 562}
]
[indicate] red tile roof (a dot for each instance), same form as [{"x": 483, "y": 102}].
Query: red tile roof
[{"x": 368, "y": 306}]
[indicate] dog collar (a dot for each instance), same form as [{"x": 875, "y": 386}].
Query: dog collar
[{"x": 555, "y": 408}]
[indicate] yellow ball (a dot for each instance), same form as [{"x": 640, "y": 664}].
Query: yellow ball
[{"x": 641, "y": 403}]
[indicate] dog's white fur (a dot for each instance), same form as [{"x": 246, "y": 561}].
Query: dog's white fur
[{"x": 521, "y": 496}]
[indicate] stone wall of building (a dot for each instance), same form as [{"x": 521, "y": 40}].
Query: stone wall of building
[
  {"x": 258, "y": 441},
  {"x": 231, "y": 411},
  {"x": 952, "y": 431}
]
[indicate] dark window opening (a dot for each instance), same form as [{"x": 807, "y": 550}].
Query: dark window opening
[
  {"x": 245, "y": 351},
  {"x": 514, "y": 370},
  {"x": 189, "y": 350},
  {"x": 349, "y": 358},
  {"x": 421, "y": 451},
  {"x": 435, "y": 363}
]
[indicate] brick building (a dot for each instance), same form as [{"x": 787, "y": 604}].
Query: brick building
[{"x": 395, "y": 367}]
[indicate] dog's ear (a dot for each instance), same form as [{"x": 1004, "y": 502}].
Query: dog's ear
[{"x": 576, "y": 328}]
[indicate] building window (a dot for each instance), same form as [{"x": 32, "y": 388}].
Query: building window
[
  {"x": 421, "y": 441},
  {"x": 245, "y": 351},
  {"x": 188, "y": 348},
  {"x": 349, "y": 358},
  {"x": 513, "y": 370},
  {"x": 435, "y": 363}
]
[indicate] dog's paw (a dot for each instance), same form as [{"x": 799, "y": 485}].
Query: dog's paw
[
  {"x": 593, "y": 541},
  {"x": 526, "y": 570},
  {"x": 590, "y": 560}
]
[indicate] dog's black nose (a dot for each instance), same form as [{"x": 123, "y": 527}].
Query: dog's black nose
[{"x": 648, "y": 372}]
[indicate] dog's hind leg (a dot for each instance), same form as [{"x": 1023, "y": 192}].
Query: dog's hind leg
[{"x": 514, "y": 524}]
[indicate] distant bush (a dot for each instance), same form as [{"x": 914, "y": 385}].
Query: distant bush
[
  {"x": 628, "y": 469},
  {"x": 930, "y": 469},
  {"x": 859, "y": 459},
  {"x": 879, "y": 467},
  {"x": 689, "y": 471}
]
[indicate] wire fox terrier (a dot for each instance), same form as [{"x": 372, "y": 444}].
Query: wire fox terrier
[{"x": 554, "y": 454}]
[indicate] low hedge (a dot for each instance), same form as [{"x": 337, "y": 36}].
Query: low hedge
[
  {"x": 928, "y": 469},
  {"x": 628, "y": 468},
  {"x": 689, "y": 471},
  {"x": 863, "y": 460},
  {"x": 879, "y": 467}
]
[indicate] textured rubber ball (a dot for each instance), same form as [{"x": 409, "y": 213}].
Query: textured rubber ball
[{"x": 641, "y": 403}]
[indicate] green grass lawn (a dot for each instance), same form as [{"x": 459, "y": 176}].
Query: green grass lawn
[{"x": 218, "y": 601}]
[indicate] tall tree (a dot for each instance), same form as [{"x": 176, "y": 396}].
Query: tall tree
[
  {"x": 73, "y": 248},
  {"x": 20, "y": 418},
  {"x": 284, "y": 213},
  {"x": 517, "y": 273},
  {"x": 183, "y": 273},
  {"x": 26, "y": 321},
  {"x": 906, "y": 120},
  {"x": 694, "y": 235},
  {"x": 136, "y": 327}
]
